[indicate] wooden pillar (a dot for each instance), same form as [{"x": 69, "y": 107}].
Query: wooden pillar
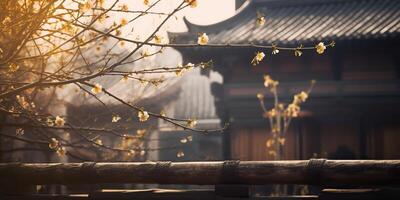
[
  {"x": 223, "y": 65},
  {"x": 299, "y": 141},
  {"x": 337, "y": 64},
  {"x": 226, "y": 144},
  {"x": 362, "y": 138},
  {"x": 397, "y": 63},
  {"x": 311, "y": 140}
]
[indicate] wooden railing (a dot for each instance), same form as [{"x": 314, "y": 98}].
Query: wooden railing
[
  {"x": 311, "y": 172},
  {"x": 232, "y": 179}
]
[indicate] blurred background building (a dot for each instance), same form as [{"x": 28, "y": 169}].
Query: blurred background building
[{"x": 353, "y": 111}]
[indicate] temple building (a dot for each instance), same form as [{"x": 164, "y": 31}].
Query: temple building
[{"x": 353, "y": 112}]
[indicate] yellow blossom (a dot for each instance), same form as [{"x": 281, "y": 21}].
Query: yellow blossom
[
  {"x": 61, "y": 151},
  {"x": 183, "y": 140},
  {"x": 191, "y": 123},
  {"x": 293, "y": 110},
  {"x": 143, "y": 82},
  {"x": 125, "y": 78},
  {"x": 124, "y": 8},
  {"x": 100, "y": 2},
  {"x": 190, "y": 138},
  {"x": 269, "y": 82},
  {"x": 202, "y": 39},
  {"x": 275, "y": 128},
  {"x": 98, "y": 142},
  {"x": 258, "y": 58},
  {"x": 260, "y": 96},
  {"x": 158, "y": 39},
  {"x": 203, "y": 65},
  {"x": 19, "y": 131},
  {"x": 115, "y": 118},
  {"x": 85, "y": 6},
  {"x": 21, "y": 100},
  {"x": 140, "y": 133},
  {"x": 145, "y": 53},
  {"x": 163, "y": 114},
  {"x": 180, "y": 154},
  {"x": 156, "y": 82},
  {"x": 298, "y": 52},
  {"x": 146, "y": 2},
  {"x": 101, "y": 19},
  {"x": 13, "y": 67},
  {"x": 143, "y": 115},
  {"x": 53, "y": 144},
  {"x": 142, "y": 152},
  {"x": 313, "y": 82},
  {"x": 320, "y": 48},
  {"x": 6, "y": 20},
  {"x": 189, "y": 66},
  {"x": 49, "y": 122},
  {"x": 281, "y": 106},
  {"x": 180, "y": 71},
  {"x": 117, "y": 32},
  {"x": 97, "y": 88},
  {"x": 282, "y": 141},
  {"x": 269, "y": 143},
  {"x": 67, "y": 27},
  {"x": 123, "y": 22},
  {"x": 59, "y": 121},
  {"x": 131, "y": 152},
  {"x": 275, "y": 50},
  {"x": 301, "y": 97},
  {"x": 192, "y": 3},
  {"x": 272, "y": 112},
  {"x": 261, "y": 20}
]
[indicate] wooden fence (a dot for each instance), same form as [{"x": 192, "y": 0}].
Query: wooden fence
[{"x": 321, "y": 172}]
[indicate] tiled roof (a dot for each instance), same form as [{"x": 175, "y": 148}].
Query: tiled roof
[
  {"x": 195, "y": 98},
  {"x": 295, "y": 21}
]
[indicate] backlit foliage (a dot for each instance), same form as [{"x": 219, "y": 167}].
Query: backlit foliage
[
  {"x": 280, "y": 115},
  {"x": 79, "y": 47}
]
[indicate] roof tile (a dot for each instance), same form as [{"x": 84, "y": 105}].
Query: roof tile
[{"x": 307, "y": 22}]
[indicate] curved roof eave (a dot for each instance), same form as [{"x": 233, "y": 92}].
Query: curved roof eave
[
  {"x": 195, "y": 28},
  {"x": 293, "y": 22}
]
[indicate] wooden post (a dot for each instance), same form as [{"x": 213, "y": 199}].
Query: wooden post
[{"x": 313, "y": 172}]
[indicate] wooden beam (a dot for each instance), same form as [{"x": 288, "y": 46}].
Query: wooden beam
[{"x": 314, "y": 171}]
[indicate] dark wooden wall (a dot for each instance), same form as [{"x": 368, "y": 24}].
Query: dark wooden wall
[{"x": 355, "y": 104}]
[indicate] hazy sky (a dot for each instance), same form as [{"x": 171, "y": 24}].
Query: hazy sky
[
  {"x": 211, "y": 11},
  {"x": 207, "y": 12}
]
